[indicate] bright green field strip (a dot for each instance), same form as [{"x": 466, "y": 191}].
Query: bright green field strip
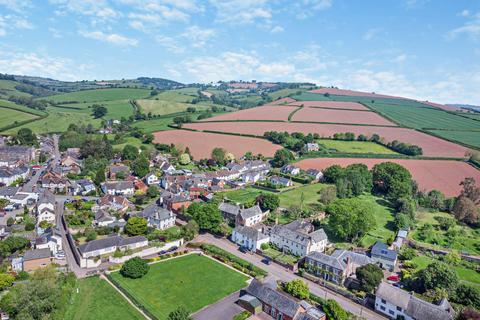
[
  {"x": 116, "y": 108},
  {"x": 96, "y": 95},
  {"x": 192, "y": 91},
  {"x": 9, "y": 117},
  {"x": 465, "y": 239},
  {"x": 283, "y": 93},
  {"x": 308, "y": 96},
  {"x": 154, "y": 125},
  {"x": 475, "y": 116},
  {"x": 471, "y": 138},
  {"x": 58, "y": 121},
  {"x": 129, "y": 140},
  {"x": 384, "y": 218},
  {"x": 96, "y": 299},
  {"x": 11, "y": 105},
  {"x": 191, "y": 281},
  {"x": 174, "y": 96},
  {"x": 424, "y": 117},
  {"x": 355, "y": 147},
  {"x": 7, "y": 88},
  {"x": 464, "y": 274},
  {"x": 241, "y": 195},
  {"x": 163, "y": 107}
]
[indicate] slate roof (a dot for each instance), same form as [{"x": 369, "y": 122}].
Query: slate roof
[
  {"x": 6, "y": 172},
  {"x": 117, "y": 169},
  {"x": 8, "y": 191},
  {"x": 281, "y": 302},
  {"x": 381, "y": 250},
  {"x": 250, "y": 233},
  {"x": 108, "y": 242},
  {"x": 298, "y": 232},
  {"x": 279, "y": 180},
  {"x": 155, "y": 212},
  {"x": 250, "y": 212},
  {"x": 414, "y": 307},
  {"x": 229, "y": 208},
  {"x": 338, "y": 259},
  {"x": 37, "y": 254},
  {"x": 119, "y": 185},
  {"x": 47, "y": 197}
]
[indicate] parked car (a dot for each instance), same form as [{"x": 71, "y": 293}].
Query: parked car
[
  {"x": 243, "y": 249},
  {"x": 267, "y": 261}
]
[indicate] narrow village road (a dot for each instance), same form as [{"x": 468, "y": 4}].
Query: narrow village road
[{"x": 280, "y": 273}]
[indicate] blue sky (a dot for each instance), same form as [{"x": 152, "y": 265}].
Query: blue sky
[{"x": 416, "y": 48}]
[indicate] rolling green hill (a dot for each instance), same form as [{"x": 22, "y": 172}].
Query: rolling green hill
[{"x": 98, "y": 95}]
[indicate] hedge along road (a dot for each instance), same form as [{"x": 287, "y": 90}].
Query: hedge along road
[{"x": 281, "y": 273}]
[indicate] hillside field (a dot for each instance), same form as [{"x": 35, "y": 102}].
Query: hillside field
[{"x": 97, "y": 95}]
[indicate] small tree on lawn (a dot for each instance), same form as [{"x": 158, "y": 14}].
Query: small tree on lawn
[
  {"x": 369, "y": 277},
  {"x": 179, "y": 314},
  {"x": 298, "y": 289},
  {"x": 136, "y": 226},
  {"x": 152, "y": 191},
  {"x": 134, "y": 268},
  {"x": 268, "y": 201}
]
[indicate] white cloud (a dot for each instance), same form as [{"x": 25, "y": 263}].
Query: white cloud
[
  {"x": 277, "y": 29},
  {"x": 464, "y": 13},
  {"x": 197, "y": 36},
  {"x": 242, "y": 11},
  {"x": 318, "y": 4},
  {"x": 170, "y": 44},
  {"x": 100, "y": 9},
  {"x": 471, "y": 29},
  {"x": 10, "y": 23},
  {"x": 371, "y": 34},
  {"x": 113, "y": 38},
  {"x": 55, "y": 33},
  {"x": 400, "y": 58},
  {"x": 306, "y": 8},
  {"x": 16, "y": 5},
  {"x": 34, "y": 64}
]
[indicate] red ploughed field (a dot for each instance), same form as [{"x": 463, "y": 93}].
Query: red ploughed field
[
  {"x": 342, "y": 92},
  {"x": 281, "y": 101},
  {"x": 432, "y": 146},
  {"x": 330, "y": 104},
  {"x": 277, "y": 113},
  {"x": 341, "y": 116},
  {"x": 442, "y": 175},
  {"x": 201, "y": 144}
]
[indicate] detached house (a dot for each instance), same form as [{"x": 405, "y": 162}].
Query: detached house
[
  {"x": 310, "y": 147},
  {"x": 282, "y": 181},
  {"x": 124, "y": 188},
  {"x": 336, "y": 267},
  {"x": 103, "y": 218},
  {"x": 384, "y": 257},
  {"x": 166, "y": 167},
  {"x": 10, "y": 175},
  {"x": 298, "y": 238},
  {"x": 158, "y": 217},
  {"x": 399, "y": 304},
  {"x": 51, "y": 239},
  {"x": 46, "y": 207},
  {"x": 289, "y": 169},
  {"x": 151, "y": 179},
  {"x": 36, "y": 259},
  {"x": 114, "y": 203},
  {"x": 114, "y": 170},
  {"x": 315, "y": 174}
]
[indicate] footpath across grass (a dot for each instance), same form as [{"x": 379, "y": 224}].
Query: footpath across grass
[
  {"x": 96, "y": 299},
  {"x": 191, "y": 281}
]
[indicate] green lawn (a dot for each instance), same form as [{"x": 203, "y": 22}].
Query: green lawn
[
  {"x": 11, "y": 105},
  {"x": 191, "y": 281},
  {"x": 355, "y": 147},
  {"x": 283, "y": 93},
  {"x": 9, "y": 117},
  {"x": 243, "y": 195},
  {"x": 280, "y": 256},
  {"x": 116, "y": 109},
  {"x": 7, "y": 89},
  {"x": 174, "y": 96},
  {"x": 467, "y": 275},
  {"x": 96, "y": 299},
  {"x": 463, "y": 238},
  {"x": 97, "y": 95}
]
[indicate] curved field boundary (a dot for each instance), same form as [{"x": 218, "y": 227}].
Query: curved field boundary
[
  {"x": 431, "y": 145},
  {"x": 18, "y": 107},
  {"x": 290, "y": 116},
  {"x": 442, "y": 175},
  {"x": 330, "y": 104}
]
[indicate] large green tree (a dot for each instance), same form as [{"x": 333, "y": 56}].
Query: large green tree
[
  {"x": 134, "y": 268},
  {"x": 25, "y": 136},
  {"x": 141, "y": 166},
  {"x": 136, "y": 226},
  {"x": 392, "y": 179},
  {"x": 465, "y": 210},
  {"x": 438, "y": 275},
  {"x": 282, "y": 157},
  {"x": 268, "y": 201},
  {"x": 369, "y": 276},
  {"x": 207, "y": 215},
  {"x": 297, "y": 288},
  {"x": 351, "y": 218},
  {"x": 129, "y": 152},
  {"x": 219, "y": 155}
]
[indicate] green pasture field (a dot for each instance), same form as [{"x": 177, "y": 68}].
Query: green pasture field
[
  {"x": 475, "y": 116},
  {"x": 11, "y": 105},
  {"x": 191, "y": 91},
  {"x": 9, "y": 117},
  {"x": 96, "y": 299},
  {"x": 191, "y": 281},
  {"x": 174, "y": 96},
  {"x": 355, "y": 147},
  {"x": 424, "y": 117},
  {"x": 7, "y": 89},
  {"x": 116, "y": 108},
  {"x": 472, "y": 138},
  {"x": 283, "y": 93},
  {"x": 97, "y": 95},
  {"x": 163, "y": 107}
]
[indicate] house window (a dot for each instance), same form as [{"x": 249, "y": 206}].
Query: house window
[
  {"x": 391, "y": 312},
  {"x": 383, "y": 301},
  {"x": 382, "y": 308},
  {"x": 399, "y": 309}
]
